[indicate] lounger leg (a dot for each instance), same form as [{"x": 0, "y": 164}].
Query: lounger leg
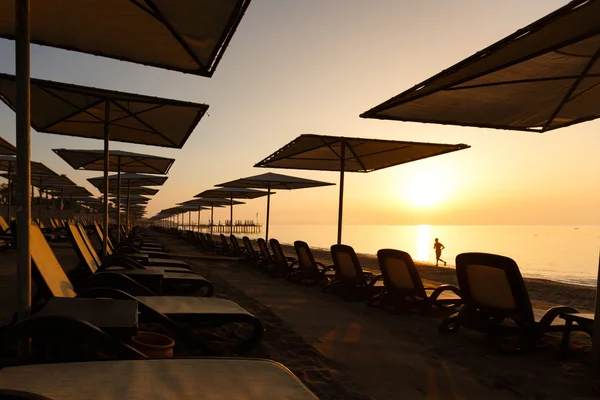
[{"x": 564, "y": 345}]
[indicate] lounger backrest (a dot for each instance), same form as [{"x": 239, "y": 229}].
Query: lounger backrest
[
  {"x": 277, "y": 251},
  {"x": 493, "y": 284},
  {"x": 209, "y": 240},
  {"x": 224, "y": 243},
  {"x": 3, "y": 225},
  {"x": 100, "y": 233},
  {"x": 44, "y": 260},
  {"x": 346, "y": 263},
  {"x": 399, "y": 272},
  {"x": 52, "y": 223},
  {"x": 81, "y": 248},
  {"x": 89, "y": 244},
  {"x": 248, "y": 246},
  {"x": 264, "y": 250},
  {"x": 306, "y": 261},
  {"x": 235, "y": 244}
]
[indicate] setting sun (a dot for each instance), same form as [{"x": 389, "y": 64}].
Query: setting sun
[{"x": 426, "y": 188}]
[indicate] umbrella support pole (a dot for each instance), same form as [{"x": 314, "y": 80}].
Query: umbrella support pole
[
  {"x": 212, "y": 209},
  {"x": 189, "y": 220},
  {"x": 119, "y": 199},
  {"x": 106, "y": 155},
  {"x": 268, "y": 212},
  {"x": 198, "y": 227},
  {"x": 9, "y": 192},
  {"x": 128, "y": 200},
  {"x": 341, "y": 201},
  {"x": 596, "y": 328},
  {"x": 23, "y": 135},
  {"x": 231, "y": 217}
]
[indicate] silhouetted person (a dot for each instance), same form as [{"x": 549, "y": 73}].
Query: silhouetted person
[{"x": 438, "y": 252}]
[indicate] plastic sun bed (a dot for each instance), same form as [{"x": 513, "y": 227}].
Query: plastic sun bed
[
  {"x": 226, "y": 378},
  {"x": 173, "y": 312},
  {"x": 403, "y": 285},
  {"x": 496, "y": 302},
  {"x": 351, "y": 283},
  {"x": 181, "y": 281},
  {"x": 309, "y": 271}
]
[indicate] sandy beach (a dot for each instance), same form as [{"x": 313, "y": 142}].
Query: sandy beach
[{"x": 346, "y": 350}]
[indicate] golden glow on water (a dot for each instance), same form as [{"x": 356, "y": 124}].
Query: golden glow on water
[{"x": 423, "y": 243}]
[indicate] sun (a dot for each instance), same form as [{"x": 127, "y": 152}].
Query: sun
[{"x": 426, "y": 188}]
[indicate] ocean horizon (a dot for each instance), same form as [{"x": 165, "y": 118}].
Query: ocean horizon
[{"x": 562, "y": 253}]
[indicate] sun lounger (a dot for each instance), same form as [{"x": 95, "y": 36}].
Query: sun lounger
[
  {"x": 236, "y": 250},
  {"x": 496, "y": 302},
  {"x": 309, "y": 271},
  {"x": 172, "y": 312},
  {"x": 351, "y": 283},
  {"x": 189, "y": 378},
  {"x": 266, "y": 259},
  {"x": 253, "y": 258},
  {"x": 281, "y": 265},
  {"x": 175, "y": 281},
  {"x": 403, "y": 285}
]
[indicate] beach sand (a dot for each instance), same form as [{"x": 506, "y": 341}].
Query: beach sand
[{"x": 346, "y": 350}]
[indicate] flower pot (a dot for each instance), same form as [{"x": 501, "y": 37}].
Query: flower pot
[{"x": 153, "y": 345}]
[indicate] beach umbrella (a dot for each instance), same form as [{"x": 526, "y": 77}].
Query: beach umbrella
[
  {"x": 118, "y": 161},
  {"x": 131, "y": 180},
  {"x": 212, "y": 202},
  {"x": 82, "y": 111},
  {"x": 136, "y": 190},
  {"x": 188, "y": 36},
  {"x": 7, "y": 149},
  {"x": 343, "y": 154},
  {"x": 274, "y": 181},
  {"x": 232, "y": 193},
  {"x": 188, "y": 208},
  {"x": 542, "y": 77},
  {"x": 8, "y": 164}
]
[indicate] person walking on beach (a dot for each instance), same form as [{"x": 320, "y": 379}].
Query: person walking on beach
[{"x": 438, "y": 252}]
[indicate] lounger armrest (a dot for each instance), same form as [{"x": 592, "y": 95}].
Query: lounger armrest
[
  {"x": 120, "y": 282},
  {"x": 443, "y": 288},
  {"x": 325, "y": 268},
  {"x": 551, "y": 315},
  {"x": 373, "y": 279},
  {"x": 119, "y": 260}
]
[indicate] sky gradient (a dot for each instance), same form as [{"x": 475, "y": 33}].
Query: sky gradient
[{"x": 311, "y": 66}]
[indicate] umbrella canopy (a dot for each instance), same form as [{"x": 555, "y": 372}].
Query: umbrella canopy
[
  {"x": 231, "y": 193},
  {"x": 67, "y": 190},
  {"x": 8, "y": 164},
  {"x": 136, "y": 190},
  {"x": 542, "y": 77},
  {"x": 337, "y": 153},
  {"x": 7, "y": 148},
  {"x": 119, "y": 161},
  {"x": 274, "y": 181},
  {"x": 188, "y": 36},
  {"x": 131, "y": 180},
  {"x": 211, "y": 202},
  {"x": 82, "y": 111}
]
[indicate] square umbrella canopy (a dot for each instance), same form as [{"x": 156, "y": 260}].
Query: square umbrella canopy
[
  {"x": 82, "y": 111},
  {"x": 8, "y": 164},
  {"x": 67, "y": 191},
  {"x": 123, "y": 161},
  {"x": 186, "y": 35},
  {"x": 231, "y": 193},
  {"x": 212, "y": 202},
  {"x": 136, "y": 190},
  {"x": 337, "y": 153},
  {"x": 542, "y": 77},
  {"x": 6, "y": 148},
  {"x": 274, "y": 181}
]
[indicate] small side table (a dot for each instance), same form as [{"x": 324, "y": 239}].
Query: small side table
[{"x": 585, "y": 321}]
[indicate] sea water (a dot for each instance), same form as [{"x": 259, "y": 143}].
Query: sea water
[{"x": 560, "y": 253}]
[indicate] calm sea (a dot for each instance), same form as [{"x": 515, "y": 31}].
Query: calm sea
[{"x": 560, "y": 253}]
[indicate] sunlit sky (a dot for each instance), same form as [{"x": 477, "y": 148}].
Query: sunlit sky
[{"x": 313, "y": 66}]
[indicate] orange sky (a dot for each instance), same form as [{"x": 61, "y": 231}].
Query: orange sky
[{"x": 313, "y": 66}]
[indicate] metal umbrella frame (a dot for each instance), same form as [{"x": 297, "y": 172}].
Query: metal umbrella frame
[
  {"x": 345, "y": 154},
  {"x": 232, "y": 193},
  {"x": 274, "y": 181},
  {"x": 119, "y": 161},
  {"x": 7, "y": 149}
]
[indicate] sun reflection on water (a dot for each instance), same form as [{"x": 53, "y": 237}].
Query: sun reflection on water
[{"x": 423, "y": 243}]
